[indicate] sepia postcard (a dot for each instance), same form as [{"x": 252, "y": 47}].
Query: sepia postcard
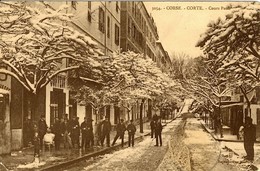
[{"x": 130, "y": 85}]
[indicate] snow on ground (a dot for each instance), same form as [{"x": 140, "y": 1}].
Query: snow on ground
[
  {"x": 198, "y": 137},
  {"x": 34, "y": 164},
  {"x": 122, "y": 158},
  {"x": 238, "y": 148}
]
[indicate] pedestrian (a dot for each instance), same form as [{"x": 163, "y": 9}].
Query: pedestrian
[
  {"x": 120, "y": 132},
  {"x": 27, "y": 131},
  {"x": 75, "y": 132},
  {"x": 89, "y": 133},
  {"x": 105, "y": 129},
  {"x": 78, "y": 140},
  {"x": 57, "y": 132},
  {"x": 131, "y": 133},
  {"x": 152, "y": 126},
  {"x": 65, "y": 132},
  {"x": 66, "y": 117},
  {"x": 91, "y": 143},
  {"x": 158, "y": 132},
  {"x": 249, "y": 138},
  {"x": 99, "y": 133},
  {"x": 83, "y": 127},
  {"x": 42, "y": 128}
]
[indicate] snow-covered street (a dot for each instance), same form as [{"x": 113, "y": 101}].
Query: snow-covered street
[
  {"x": 186, "y": 146},
  {"x": 144, "y": 156}
]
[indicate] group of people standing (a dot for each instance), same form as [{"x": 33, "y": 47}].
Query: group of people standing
[
  {"x": 156, "y": 129},
  {"x": 120, "y": 133},
  {"x": 68, "y": 131}
]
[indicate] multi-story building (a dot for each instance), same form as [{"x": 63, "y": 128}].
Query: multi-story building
[
  {"x": 138, "y": 29},
  {"x": 101, "y": 22},
  {"x": 163, "y": 60},
  {"x": 139, "y": 34}
]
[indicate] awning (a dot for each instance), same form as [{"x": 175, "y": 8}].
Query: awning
[{"x": 232, "y": 104}]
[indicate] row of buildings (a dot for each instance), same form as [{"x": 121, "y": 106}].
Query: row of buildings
[{"x": 115, "y": 26}]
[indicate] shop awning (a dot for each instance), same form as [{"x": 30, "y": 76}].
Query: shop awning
[{"x": 232, "y": 104}]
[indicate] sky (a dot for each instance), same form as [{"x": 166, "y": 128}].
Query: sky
[{"x": 180, "y": 29}]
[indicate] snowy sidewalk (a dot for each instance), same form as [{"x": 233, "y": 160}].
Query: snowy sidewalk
[
  {"x": 239, "y": 152},
  {"x": 236, "y": 149}
]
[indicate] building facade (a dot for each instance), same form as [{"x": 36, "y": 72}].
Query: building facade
[{"x": 235, "y": 111}]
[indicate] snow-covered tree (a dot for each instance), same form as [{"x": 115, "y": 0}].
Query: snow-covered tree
[
  {"x": 209, "y": 86},
  {"x": 37, "y": 43},
  {"x": 234, "y": 43},
  {"x": 127, "y": 77},
  {"x": 239, "y": 31}
]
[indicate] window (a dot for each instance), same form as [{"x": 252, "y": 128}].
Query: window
[
  {"x": 133, "y": 7},
  {"x": 89, "y": 11},
  {"x": 129, "y": 27},
  {"x": 117, "y": 7},
  {"x": 101, "y": 21},
  {"x": 108, "y": 27},
  {"x": 73, "y": 4},
  {"x": 116, "y": 35}
]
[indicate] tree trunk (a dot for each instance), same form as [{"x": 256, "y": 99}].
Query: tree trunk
[
  {"x": 141, "y": 116},
  {"x": 248, "y": 113},
  {"x": 34, "y": 107},
  {"x": 128, "y": 114}
]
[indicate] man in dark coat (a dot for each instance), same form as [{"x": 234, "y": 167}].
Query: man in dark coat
[
  {"x": 75, "y": 131},
  {"x": 131, "y": 133},
  {"x": 249, "y": 138},
  {"x": 152, "y": 125},
  {"x": 66, "y": 131},
  {"x": 89, "y": 133},
  {"x": 57, "y": 131},
  {"x": 42, "y": 128},
  {"x": 83, "y": 127},
  {"x": 120, "y": 132},
  {"x": 105, "y": 129},
  {"x": 99, "y": 133},
  {"x": 158, "y": 132}
]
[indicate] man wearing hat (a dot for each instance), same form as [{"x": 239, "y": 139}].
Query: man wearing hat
[
  {"x": 75, "y": 131},
  {"x": 120, "y": 131},
  {"x": 105, "y": 129},
  {"x": 83, "y": 127},
  {"x": 42, "y": 128}
]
